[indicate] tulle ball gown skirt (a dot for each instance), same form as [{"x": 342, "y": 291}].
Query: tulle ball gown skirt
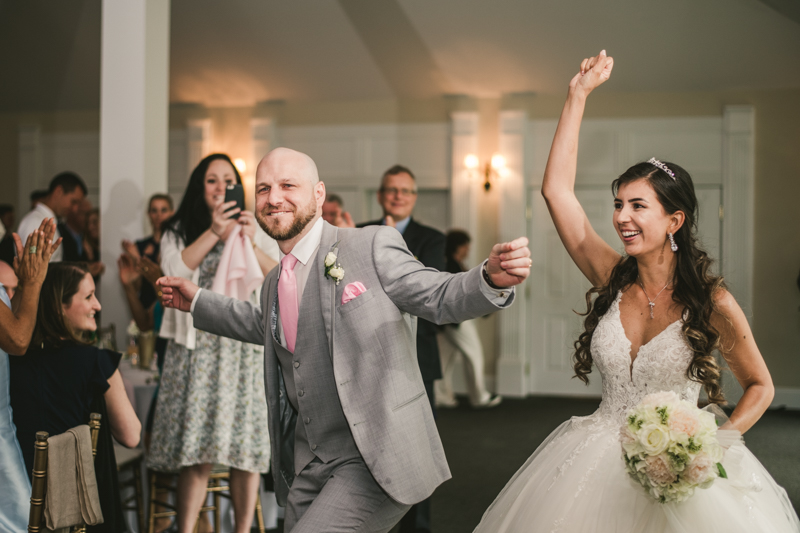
[{"x": 576, "y": 482}]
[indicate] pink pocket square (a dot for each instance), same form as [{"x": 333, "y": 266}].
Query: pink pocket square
[{"x": 352, "y": 291}]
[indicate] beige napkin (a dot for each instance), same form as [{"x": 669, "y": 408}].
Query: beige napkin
[{"x": 72, "y": 496}]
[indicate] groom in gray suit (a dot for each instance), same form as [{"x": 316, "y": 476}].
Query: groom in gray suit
[{"x": 354, "y": 443}]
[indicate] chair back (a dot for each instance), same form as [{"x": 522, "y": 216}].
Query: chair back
[
  {"x": 39, "y": 474},
  {"x": 39, "y": 483}
]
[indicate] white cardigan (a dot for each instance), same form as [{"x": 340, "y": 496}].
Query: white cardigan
[{"x": 177, "y": 325}]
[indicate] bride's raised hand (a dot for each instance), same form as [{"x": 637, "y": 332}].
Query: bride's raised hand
[{"x": 594, "y": 72}]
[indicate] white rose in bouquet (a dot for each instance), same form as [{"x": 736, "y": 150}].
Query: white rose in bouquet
[{"x": 670, "y": 447}]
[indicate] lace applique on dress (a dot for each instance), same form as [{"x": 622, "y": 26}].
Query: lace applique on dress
[{"x": 660, "y": 365}]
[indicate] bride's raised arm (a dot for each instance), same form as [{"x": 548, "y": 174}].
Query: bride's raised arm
[{"x": 593, "y": 256}]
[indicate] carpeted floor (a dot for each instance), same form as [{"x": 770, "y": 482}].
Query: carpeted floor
[{"x": 485, "y": 448}]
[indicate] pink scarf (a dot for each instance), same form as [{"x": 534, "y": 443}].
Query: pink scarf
[{"x": 238, "y": 273}]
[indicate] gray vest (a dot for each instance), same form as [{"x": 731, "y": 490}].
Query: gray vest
[{"x": 321, "y": 429}]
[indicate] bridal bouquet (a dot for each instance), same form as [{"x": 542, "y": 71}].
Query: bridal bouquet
[{"x": 671, "y": 447}]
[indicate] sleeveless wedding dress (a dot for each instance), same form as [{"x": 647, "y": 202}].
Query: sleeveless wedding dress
[{"x": 576, "y": 482}]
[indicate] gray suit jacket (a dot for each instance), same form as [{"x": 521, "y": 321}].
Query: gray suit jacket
[{"x": 373, "y": 345}]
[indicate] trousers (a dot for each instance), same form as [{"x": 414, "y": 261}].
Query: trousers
[
  {"x": 340, "y": 496},
  {"x": 462, "y": 340}
]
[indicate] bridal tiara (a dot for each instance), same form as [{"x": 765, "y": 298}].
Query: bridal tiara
[{"x": 655, "y": 162}]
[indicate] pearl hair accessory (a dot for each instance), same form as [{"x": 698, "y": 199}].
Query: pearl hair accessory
[{"x": 655, "y": 162}]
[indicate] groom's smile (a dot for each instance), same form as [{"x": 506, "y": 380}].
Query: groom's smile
[{"x": 288, "y": 195}]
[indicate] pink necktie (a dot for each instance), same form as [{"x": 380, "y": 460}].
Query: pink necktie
[{"x": 287, "y": 299}]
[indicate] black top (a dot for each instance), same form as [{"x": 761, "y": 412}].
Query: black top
[
  {"x": 453, "y": 266},
  {"x": 148, "y": 247},
  {"x": 427, "y": 245},
  {"x": 7, "y": 249},
  {"x": 55, "y": 389},
  {"x": 52, "y": 390}
]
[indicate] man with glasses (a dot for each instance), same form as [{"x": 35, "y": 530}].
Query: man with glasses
[{"x": 397, "y": 196}]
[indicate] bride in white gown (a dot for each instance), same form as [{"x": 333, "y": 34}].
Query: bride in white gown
[{"x": 657, "y": 318}]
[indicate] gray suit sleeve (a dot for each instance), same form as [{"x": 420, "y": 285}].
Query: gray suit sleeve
[
  {"x": 228, "y": 317},
  {"x": 438, "y": 297}
]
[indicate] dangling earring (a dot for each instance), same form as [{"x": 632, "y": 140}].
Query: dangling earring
[{"x": 672, "y": 245}]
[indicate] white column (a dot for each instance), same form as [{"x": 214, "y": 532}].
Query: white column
[
  {"x": 738, "y": 185},
  {"x": 133, "y": 131},
  {"x": 464, "y": 193},
  {"x": 198, "y": 142},
  {"x": 512, "y": 367}
]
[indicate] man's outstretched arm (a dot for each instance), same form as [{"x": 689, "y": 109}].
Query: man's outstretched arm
[
  {"x": 213, "y": 312},
  {"x": 449, "y": 298}
]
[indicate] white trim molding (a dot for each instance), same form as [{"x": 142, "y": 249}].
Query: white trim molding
[
  {"x": 512, "y": 367},
  {"x": 464, "y": 196},
  {"x": 738, "y": 223},
  {"x": 198, "y": 141},
  {"x": 738, "y": 185}
]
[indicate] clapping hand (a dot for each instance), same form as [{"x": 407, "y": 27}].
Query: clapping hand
[
  {"x": 344, "y": 220},
  {"x": 128, "y": 273},
  {"x": 149, "y": 269},
  {"x": 509, "y": 263},
  {"x": 594, "y": 72},
  {"x": 30, "y": 264},
  {"x": 131, "y": 249}
]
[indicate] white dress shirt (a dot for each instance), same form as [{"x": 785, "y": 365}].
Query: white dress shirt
[{"x": 31, "y": 223}]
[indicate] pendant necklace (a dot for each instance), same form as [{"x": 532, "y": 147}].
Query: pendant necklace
[{"x": 652, "y": 302}]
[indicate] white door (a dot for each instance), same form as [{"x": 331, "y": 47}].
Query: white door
[{"x": 558, "y": 289}]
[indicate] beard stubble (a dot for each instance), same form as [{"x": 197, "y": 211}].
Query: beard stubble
[{"x": 301, "y": 220}]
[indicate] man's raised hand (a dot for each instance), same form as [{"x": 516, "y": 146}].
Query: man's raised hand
[
  {"x": 176, "y": 293},
  {"x": 509, "y": 263}
]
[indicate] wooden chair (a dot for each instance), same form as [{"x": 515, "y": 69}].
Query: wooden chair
[
  {"x": 217, "y": 486},
  {"x": 131, "y": 460},
  {"x": 39, "y": 484}
]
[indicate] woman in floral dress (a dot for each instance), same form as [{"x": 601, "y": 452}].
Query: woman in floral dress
[{"x": 211, "y": 406}]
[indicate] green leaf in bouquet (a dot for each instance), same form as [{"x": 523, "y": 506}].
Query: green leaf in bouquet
[{"x": 721, "y": 469}]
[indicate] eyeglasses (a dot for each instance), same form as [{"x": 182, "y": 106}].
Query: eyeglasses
[{"x": 391, "y": 191}]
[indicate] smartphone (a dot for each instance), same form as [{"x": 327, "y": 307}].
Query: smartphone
[{"x": 235, "y": 192}]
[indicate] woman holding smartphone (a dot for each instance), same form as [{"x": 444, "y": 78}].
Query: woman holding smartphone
[{"x": 211, "y": 407}]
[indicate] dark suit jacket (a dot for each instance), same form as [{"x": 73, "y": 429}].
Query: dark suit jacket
[
  {"x": 427, "y": 245},
  {"x": 70, "y": 245}
]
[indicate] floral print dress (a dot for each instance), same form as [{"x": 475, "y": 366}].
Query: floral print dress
[{"x": 211, "y": 404}]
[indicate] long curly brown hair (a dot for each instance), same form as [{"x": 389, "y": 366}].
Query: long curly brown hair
[{"x": 694, "y": 285}]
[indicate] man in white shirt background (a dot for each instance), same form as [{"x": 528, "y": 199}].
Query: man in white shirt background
[{"x": 67, "y": 191}]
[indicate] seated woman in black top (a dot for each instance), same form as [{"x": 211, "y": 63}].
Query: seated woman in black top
[{"x": 62, "y": 379}]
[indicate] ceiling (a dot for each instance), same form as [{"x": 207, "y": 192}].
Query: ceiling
[{"x": 240, "y": 52}]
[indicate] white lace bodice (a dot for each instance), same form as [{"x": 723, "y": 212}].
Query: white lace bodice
[{"x": 659, "y": 366}]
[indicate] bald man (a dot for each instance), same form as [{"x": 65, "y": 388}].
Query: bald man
[
  {"x": 8, "y": 279},
  {"x": 354, "y": 443}
]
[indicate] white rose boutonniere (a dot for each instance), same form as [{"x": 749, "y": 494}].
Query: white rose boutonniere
[
  {"x": 330, "y": 259},
  {"x": 336, "y": 273},
  {"x": 333, "y": 270}
]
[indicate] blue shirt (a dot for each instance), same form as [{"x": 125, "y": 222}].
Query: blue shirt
[
  {"x": 14, "y": 480},
  {"x": 401, "y": 225}
]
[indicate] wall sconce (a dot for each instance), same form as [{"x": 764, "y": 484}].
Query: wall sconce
[
  {"x": 240, "y": 165},
  {"x": 492, "y": 170}
]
